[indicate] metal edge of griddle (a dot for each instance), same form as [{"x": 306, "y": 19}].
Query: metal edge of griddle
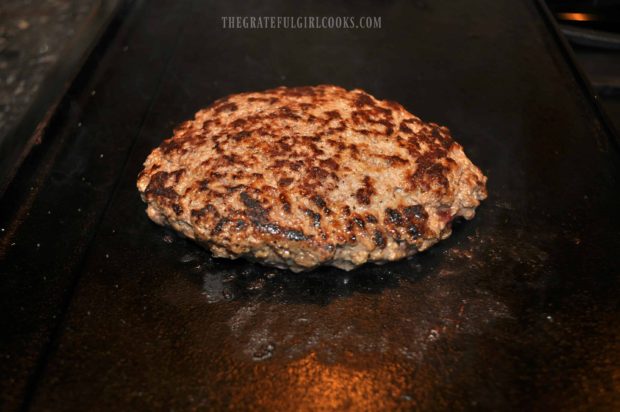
[
  {"x": 118, "y": 23},
  {"x": 591, "y": 38},
  {"x": 31, "y": 166},
  {"x": 578, "y": 72},
  {"x": 30, "y": 128}
]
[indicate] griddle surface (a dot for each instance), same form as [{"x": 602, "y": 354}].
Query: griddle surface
[{"x": 102, "y": 309}]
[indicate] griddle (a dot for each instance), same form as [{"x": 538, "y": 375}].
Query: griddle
[{"x": 519, "y": 310}]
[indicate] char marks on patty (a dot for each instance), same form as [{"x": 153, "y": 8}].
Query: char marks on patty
[{"x": 303, "y": 176}]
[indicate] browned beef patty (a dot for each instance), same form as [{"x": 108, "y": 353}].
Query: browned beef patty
[{"x": 306, "y": 176}]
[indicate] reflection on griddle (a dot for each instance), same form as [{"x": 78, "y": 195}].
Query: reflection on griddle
[{"x": 336, "y": 338}]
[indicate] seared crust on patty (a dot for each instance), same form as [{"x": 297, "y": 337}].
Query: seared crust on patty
[{"x": 304, "y": 176}]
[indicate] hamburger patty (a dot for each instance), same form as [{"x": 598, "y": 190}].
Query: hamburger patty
[{"x": 306, "y": 176}]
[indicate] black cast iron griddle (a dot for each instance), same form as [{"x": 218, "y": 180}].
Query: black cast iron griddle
[{"x": 101, "y": 309}]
